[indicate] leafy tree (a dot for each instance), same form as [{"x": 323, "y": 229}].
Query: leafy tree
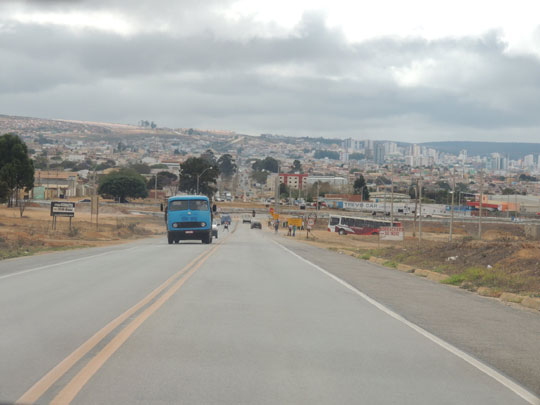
[
  {"x": 283, "y": 190},
  {"x": 164, "y": 179},
  {"x": 330, "y": 154},
  {"x": 106, "y": 165},
  {"x": 382, "y": 180},
  {"x": 123, "y": 183},
  {"x": 444, "y": 185},
  {"x": 16, "y": 168},
  {"x": 41, "y": 162},
  {"x": 297, "y": 167},
  {"x": 509, "y": 191},
  {"x": 269, "y": 164},
  {"x": 462, "y": 187},
  {"x": 209, "y": 156},
  {"x": 357, "y": 156},
  {"x": 360, "y": 187},
  {"x": 259, "y": 177},
  {"x": 140, "y": 168},
  {"x": 207, "y": 173},
  {"x": 526, "y": 177},
  {"x": 226, "y": 165}
]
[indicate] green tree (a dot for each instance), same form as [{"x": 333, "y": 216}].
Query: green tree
[
  {"x": 209, "y": 156},
  {"x": 208, "y": 174},
  {"x": 357, "y": 156},
  {"x": 269, "y": 164},
  {"x": 259, "y": 177},
  {"x": 164, "y": 179},
  {"x": 123, "y": 183},
  {"x": 526, "y": 177},
  {"x": 297, "y": 167},
  {"x": 360, "y": 187},
  {"x": 16, "y": 168},
  {"x": 330, "y": 154},
  {"x": 283, "y": 190},
  {"x": 226, "y": 165},
  {"x": 509, "y": 191},
  {"x": 140, "y": 168}
]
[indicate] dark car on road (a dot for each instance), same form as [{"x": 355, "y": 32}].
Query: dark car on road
[{"x": 256, "y": 225}]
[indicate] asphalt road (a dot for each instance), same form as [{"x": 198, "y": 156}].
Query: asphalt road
[{"x": 244, "y": 320}]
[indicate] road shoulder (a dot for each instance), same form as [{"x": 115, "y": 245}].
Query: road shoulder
[{"x": 501, "y": 336}]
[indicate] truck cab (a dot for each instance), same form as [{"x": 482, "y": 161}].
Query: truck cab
[{"x": 189, "y": 218}]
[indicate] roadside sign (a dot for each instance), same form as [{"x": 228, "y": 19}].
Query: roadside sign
[
  {"x": 271, "y": 210},
  {"x": 275, "y": 216},
  {"x": 62, "y": 209},
  {"x": 295, "y": 221},
  {"x": 311, "y": 222},
  {"x": 391, "y": 233}
]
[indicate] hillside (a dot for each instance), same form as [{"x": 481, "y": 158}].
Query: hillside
[{"x": 514, "y": 150}]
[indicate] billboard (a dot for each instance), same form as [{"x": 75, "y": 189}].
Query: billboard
[{"x": 62, "y": 209}]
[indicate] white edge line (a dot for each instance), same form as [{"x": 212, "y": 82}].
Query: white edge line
[
  {"x": 61, "y": 263},
  {"x": 511, "y": 385}
]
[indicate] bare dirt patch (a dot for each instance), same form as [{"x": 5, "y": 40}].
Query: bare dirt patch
[{"x": 33, "y": 232}]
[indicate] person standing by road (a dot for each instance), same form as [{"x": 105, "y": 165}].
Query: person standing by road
[
  {"x": 276, "y": 226},
  {"x": 294, "y": 231}
]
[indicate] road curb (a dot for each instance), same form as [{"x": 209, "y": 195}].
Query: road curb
[{"x": 524, "y": 301}]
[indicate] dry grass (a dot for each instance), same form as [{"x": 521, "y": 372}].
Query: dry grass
[{"x": 33, "y": 232}]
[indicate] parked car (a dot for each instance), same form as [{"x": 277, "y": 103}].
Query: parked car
[
  {"x": 246, "y": 219},
  {"x": 214, "y": 230},
  {"x": 256, "y": 225}
]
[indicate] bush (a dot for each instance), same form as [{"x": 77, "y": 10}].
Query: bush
[{"x": 494, "y": 278}]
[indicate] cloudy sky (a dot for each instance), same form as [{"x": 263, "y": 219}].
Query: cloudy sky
[{"x": 415, "y": 70}]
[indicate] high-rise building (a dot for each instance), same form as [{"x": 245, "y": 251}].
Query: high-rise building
[
  {"x": 528, "y": 161},
  {"x": 378, "y": 156}
]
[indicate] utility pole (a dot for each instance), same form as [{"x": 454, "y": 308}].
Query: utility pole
[
  {"x": 276, "y": 203},
  {"x": 318, "y": 192},
  {"x": 452, "y": 208},
  {"x": 155, "y": 188},
  {"x": 420, "y": 208},
  {"x": 480, "y": 205},
  {"x": 392, "y": 197},
  {"x": 415, "y": 208}
]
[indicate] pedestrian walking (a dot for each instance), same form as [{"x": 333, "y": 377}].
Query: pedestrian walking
[
  {"x": 294, "y": 231},
  {"x": 289, "y": 230}
]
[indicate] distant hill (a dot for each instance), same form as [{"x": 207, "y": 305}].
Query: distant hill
[{"x": 514, "y": 150}]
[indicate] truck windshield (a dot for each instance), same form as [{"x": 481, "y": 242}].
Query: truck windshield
[
  {"x": 178, "y": 205},
  {"x": 198, "y": 205}
]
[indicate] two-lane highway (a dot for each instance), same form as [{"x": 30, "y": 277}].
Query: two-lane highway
[{"x": 242, "y": 321}]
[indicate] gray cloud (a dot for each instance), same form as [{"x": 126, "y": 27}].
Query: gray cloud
[{"x": 309, "y": 82}]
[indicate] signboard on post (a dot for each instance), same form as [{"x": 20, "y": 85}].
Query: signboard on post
[
  {"x": 62, "y": 209},
  {"x": 391, "y": 233},
  {"x": 295, "y": 221},
  {"x": 310, "y": 223}
]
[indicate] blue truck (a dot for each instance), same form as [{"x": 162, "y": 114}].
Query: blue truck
[{"x": 188, "y": 218}]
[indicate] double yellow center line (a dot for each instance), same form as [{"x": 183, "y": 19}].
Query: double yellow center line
[{"x": 72, "y": 388}]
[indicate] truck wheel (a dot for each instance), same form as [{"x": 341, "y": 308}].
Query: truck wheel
[
  {"x": 341, "y": 232},
  {"x": 170, "y": 238}
]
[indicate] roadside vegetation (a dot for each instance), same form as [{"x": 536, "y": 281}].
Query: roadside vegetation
[
  {"x": 33, "y": 234},
  {"x": 504, "y": 261}
]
